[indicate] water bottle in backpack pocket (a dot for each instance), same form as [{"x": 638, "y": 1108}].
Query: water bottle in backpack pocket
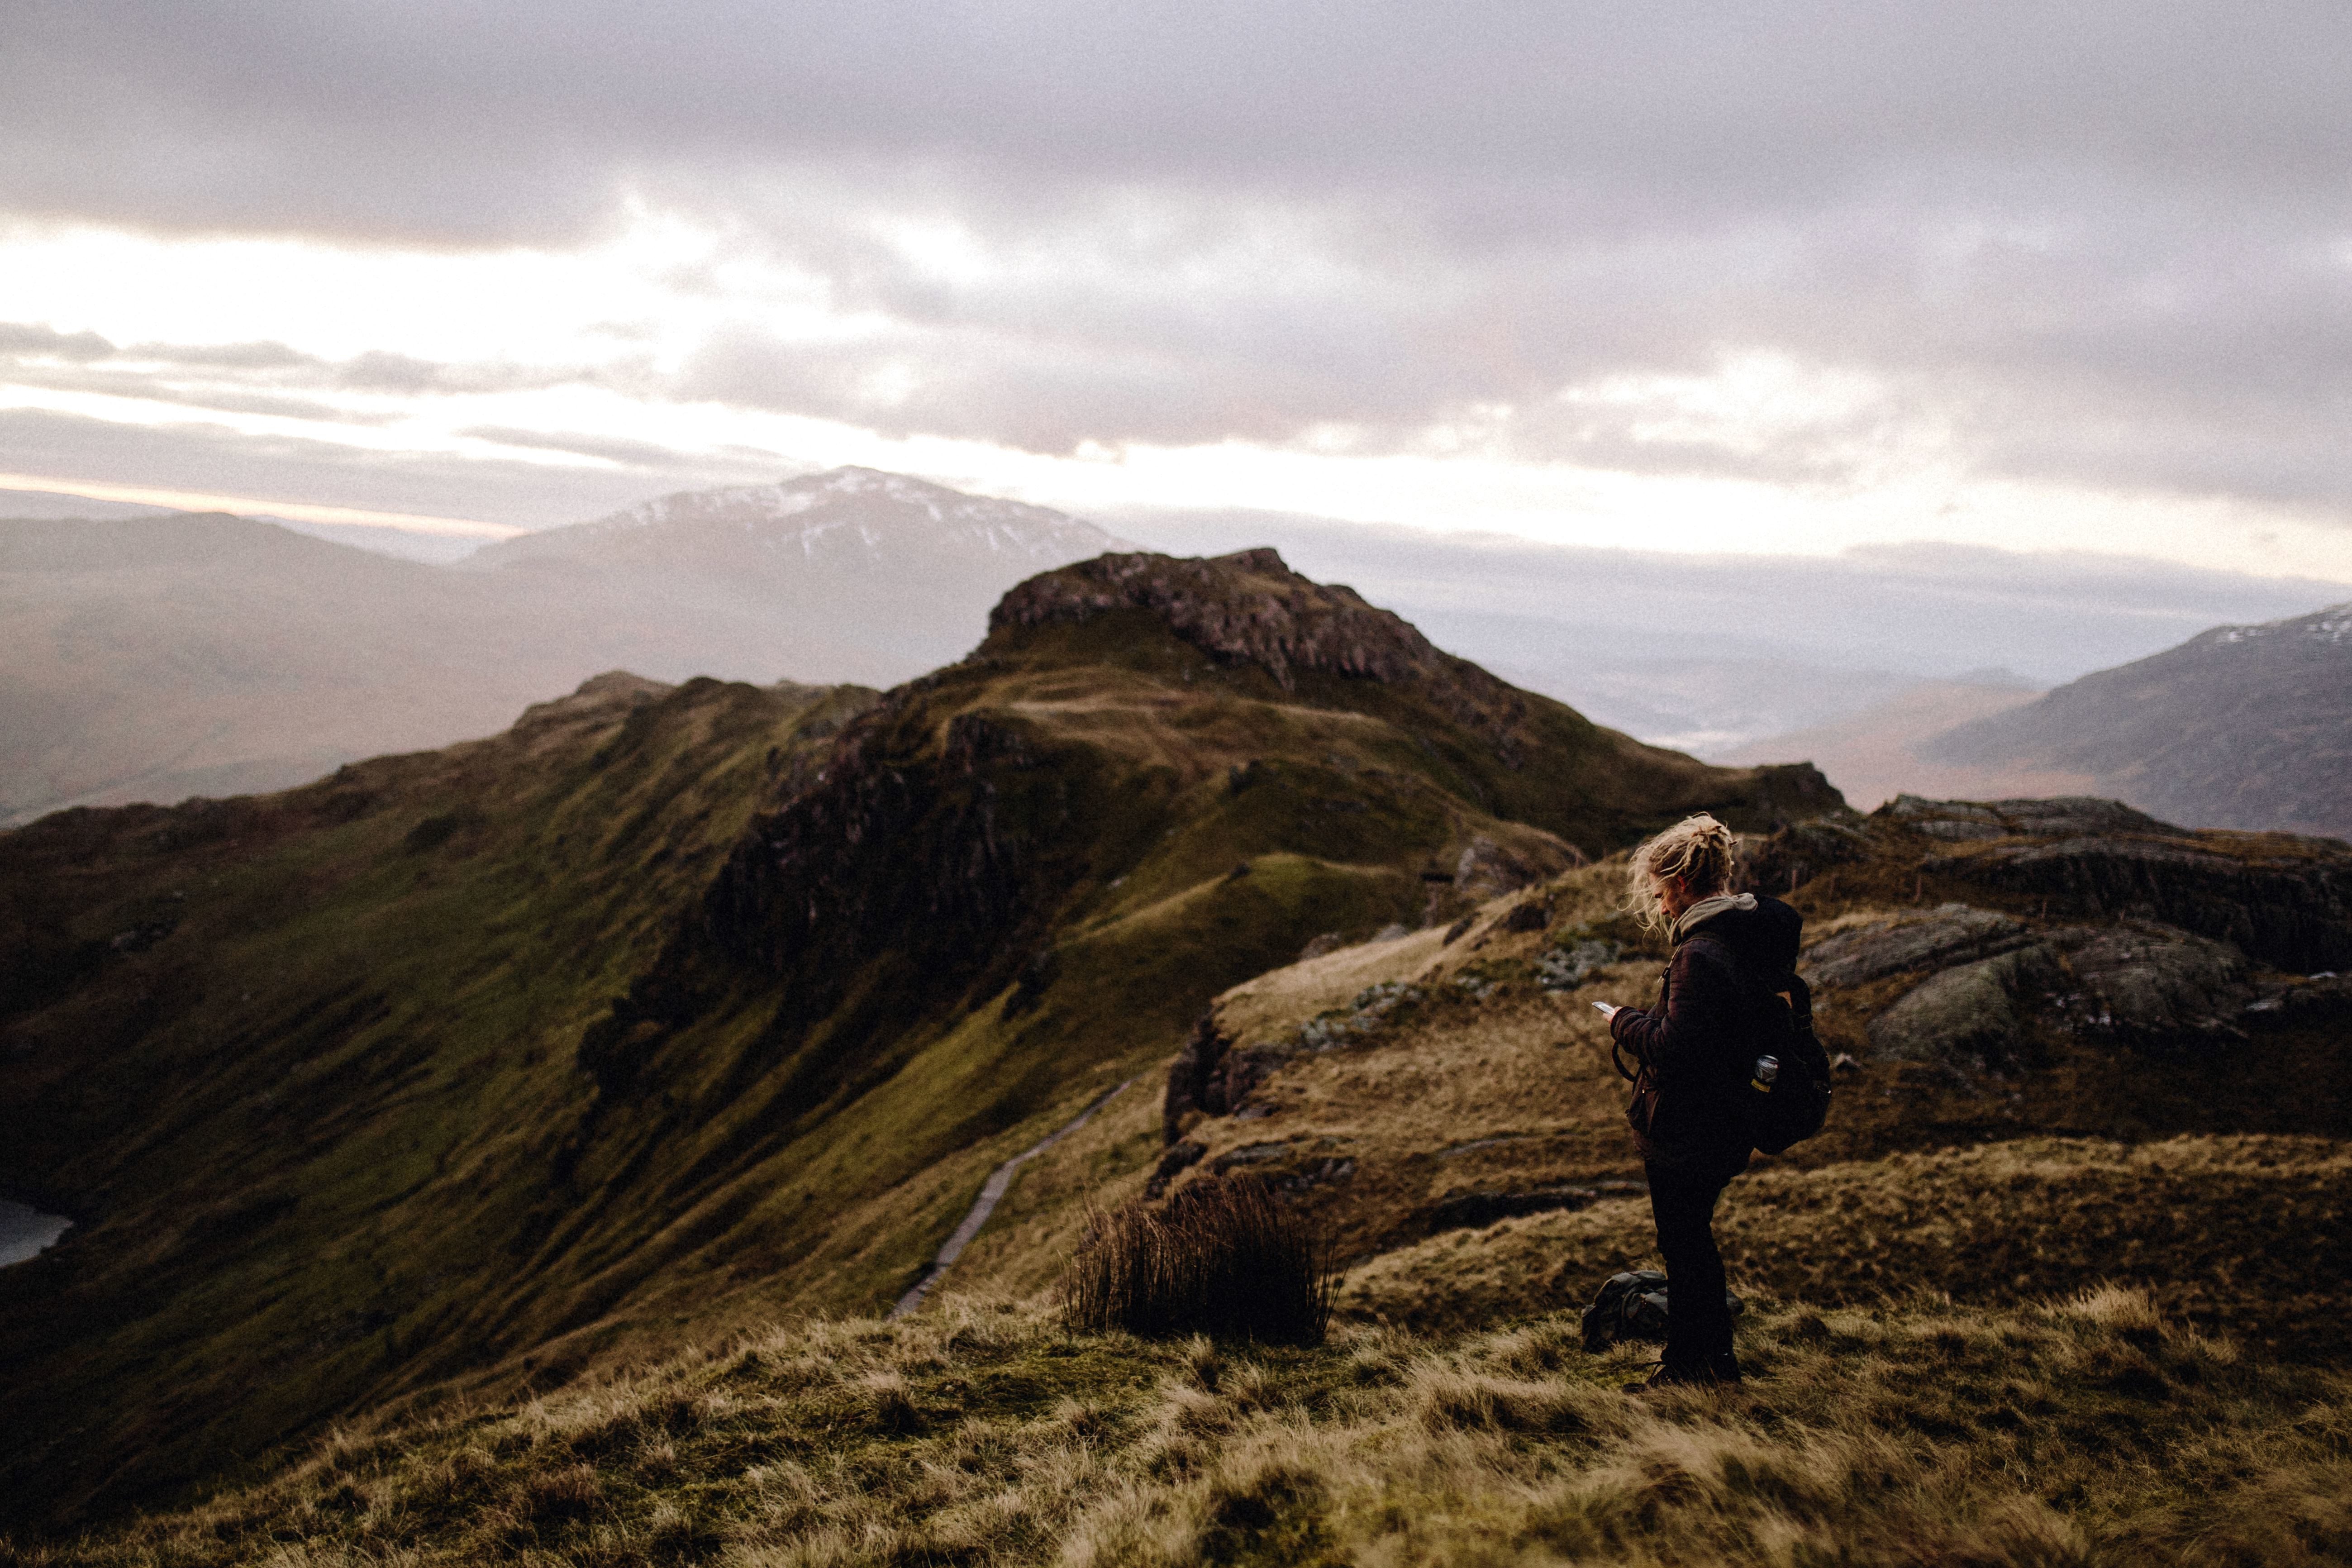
[{"x": 1788, "y": 1090}]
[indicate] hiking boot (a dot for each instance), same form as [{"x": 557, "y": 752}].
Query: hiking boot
[{"x": 1718, "y": 1371}]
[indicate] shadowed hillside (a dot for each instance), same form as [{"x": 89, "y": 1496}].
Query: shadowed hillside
[
  {"x": 699, "y": 1005},
  {"x": 2246, "y": 727}
]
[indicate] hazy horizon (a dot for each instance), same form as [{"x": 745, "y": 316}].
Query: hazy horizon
[{"x": 1787, "y": 281}]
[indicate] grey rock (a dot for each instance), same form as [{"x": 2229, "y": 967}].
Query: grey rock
[
  {"x": 2144, "y": 981},
  {"x": 2290, "y": 908},
  {"x": 1329, "y": 942},
  {"x": 1485, "y": 870},
  {"x": 1957, "y": 831},
  {"x": 1948, "y": 934},
  {"x": 2320, "y": 999},
  {"x": 2055, "y": 817},
  {"x": 2066, "y": 815},
  {"x": 1566, "y": 968},
  {"x": 1966, "y": 1019}
]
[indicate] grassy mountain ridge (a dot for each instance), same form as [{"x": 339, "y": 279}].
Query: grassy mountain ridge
[
  {"x": 2057, "y": 1286},
  {"x": 695, "y": 1005}
]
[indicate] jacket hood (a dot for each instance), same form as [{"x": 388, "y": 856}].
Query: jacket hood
[{"x": 1763, "y": 931}]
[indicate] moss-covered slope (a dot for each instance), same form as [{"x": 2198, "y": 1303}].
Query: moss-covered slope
[{"x": 706, "y": 1004}]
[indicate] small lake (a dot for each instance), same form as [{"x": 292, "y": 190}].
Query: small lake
[{"x": 26, "y": 1230}]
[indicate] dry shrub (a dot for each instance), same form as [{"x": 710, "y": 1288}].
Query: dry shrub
[{"x": 1223, "y": 1257}]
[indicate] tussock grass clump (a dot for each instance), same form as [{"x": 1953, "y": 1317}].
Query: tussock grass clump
[{"x": 1223, "y": 1257}]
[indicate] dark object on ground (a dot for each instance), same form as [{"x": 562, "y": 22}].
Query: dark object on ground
[
  {"x": 1222, "y": 1258},
  {"x": 1633, "y": 1306},
  {"x": 1529, "y": 916}
]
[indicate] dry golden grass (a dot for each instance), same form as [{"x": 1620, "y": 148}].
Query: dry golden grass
[
  {"x": 2240, "y": 1233},
  {"x": 2085, "y": 1431}
]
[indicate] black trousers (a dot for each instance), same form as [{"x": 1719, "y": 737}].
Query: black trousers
[{"x": 1699, "y": 1323}]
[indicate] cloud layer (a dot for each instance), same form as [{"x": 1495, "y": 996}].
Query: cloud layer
[{"x": 2104, "y": 244}]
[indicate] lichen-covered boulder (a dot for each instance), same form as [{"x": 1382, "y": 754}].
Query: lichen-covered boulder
[
  {"x": 2140, "y": 981},
  {"x": 1969, "y": 1018}
]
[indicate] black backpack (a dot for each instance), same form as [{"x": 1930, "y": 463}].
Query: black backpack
[
  {"x": 1633, "y": 1306},
  {"x": 1792, "y": 1107}
]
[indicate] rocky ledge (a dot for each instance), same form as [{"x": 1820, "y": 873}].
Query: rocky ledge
[{"x": 2096, "y": 922}]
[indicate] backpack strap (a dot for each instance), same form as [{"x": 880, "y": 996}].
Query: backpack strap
[{"x": 1617, "y": 1058}]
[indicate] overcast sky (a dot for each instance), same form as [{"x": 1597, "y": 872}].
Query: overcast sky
[{"x": 1739, "y": 277}]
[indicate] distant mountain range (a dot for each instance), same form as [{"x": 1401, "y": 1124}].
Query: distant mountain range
[
  {"x": 2245, "y": 727},
  {"x": 153, "y": 657},
  {"x": 1874, "y": 754}
]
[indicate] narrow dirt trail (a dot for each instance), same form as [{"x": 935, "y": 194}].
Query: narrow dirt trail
[{"x": 992, "y": 1192}]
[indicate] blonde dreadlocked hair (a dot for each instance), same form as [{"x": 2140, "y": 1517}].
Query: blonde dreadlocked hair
[{"x": 1698, "y": 849}]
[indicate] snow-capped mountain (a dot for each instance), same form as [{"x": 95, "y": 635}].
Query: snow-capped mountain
[
  {"x": 853, "y": 574},
  {"x": 844, "y": 517},
  {"x": 2246, "y": 727},
  {"x": 155, "y": 658}
]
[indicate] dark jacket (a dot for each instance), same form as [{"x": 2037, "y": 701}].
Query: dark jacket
[{"x": 1701, "y": 1041}]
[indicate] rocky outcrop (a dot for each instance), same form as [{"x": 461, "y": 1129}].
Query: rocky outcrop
[
  {"x": 1952, "y": 933},
  {"x": 1210, "y": 1078},
  {"x": 937, "y": 861},
  {"x": 1969, "y": 1018},
  {"x": 1484, "y": 869},
  {"x": 2054, "y": 817},
  {"x": 2114, "y": 927},
  {"x": 2148, "y": 984},
  {"x": 1252, "y": 608},
  {"x": 1803, "y": 849},
  {"x": 2292, "y": 909},
  {"x": 2284, "y": 901}
]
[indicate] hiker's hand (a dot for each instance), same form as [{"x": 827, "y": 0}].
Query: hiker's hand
[{"x": 1606, "y": 1009}]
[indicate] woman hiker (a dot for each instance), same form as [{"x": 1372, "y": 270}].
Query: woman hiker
[{"x": 1697, "y": 1049}]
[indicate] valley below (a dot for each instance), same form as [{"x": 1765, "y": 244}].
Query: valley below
[{"x": 517, "y": 1150}]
